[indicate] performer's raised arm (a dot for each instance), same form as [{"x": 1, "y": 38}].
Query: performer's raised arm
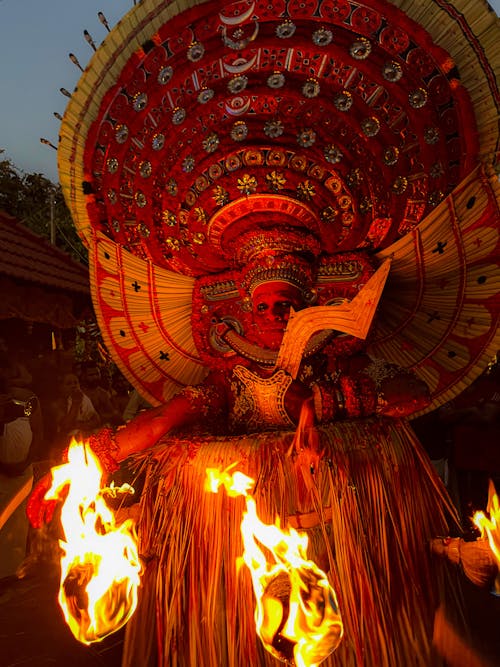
[{"x": 193, "y": 405}]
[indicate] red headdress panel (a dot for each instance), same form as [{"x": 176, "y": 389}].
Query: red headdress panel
[{"x": 199, "y": 126}]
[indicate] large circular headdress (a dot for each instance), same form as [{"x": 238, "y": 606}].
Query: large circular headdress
[{"x": 197, "y": 121}]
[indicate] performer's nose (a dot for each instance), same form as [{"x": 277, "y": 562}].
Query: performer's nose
[{"x": 277, "y": 314}]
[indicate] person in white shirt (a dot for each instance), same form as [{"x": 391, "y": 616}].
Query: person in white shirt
[{"x": 73, "y": 410}]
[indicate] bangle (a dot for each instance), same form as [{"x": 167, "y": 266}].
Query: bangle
[
  {"x": 352, "y": 401},
  {"x": 105, "y": 447},
  {"x": 367, "y": 395},
  {"x": 328, "y": 401}
]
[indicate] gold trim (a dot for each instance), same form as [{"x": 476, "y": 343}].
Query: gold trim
[{"x": 354, "y": 318}]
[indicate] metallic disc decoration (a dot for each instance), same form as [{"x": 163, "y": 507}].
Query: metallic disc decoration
[{"x": 368, "y": 115}]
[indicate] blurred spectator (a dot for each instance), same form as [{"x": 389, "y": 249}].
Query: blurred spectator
[
  {"x": 71, "y": 413},
  {"x": 91, "y": 381},
  {"x": 120, "y": 393},
  {"x": 136, "y": 404},
  {"x": 433, "y": 433},
  {"x": 21, "y": 424},
  {"x": 474, "y": 421},
  {"x": 20, "y": 376},
  {"x": 436, "y": 437}
]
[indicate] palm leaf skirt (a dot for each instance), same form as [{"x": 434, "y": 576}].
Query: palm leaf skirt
[{"x": 370, "y": 503}]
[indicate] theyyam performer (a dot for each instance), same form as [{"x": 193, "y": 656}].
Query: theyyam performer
[{"x": 292, "y": 215}]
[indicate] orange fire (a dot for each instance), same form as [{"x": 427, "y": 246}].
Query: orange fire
[
  {"x": 100, "y": 567},
  {"x": 296, "y": 615},
  {"x": 490, "y": 527}
]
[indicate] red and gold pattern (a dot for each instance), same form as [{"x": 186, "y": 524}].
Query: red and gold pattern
[
  {"x": 104, "y": 446},
  {"x": 353, "y": 120},
  {"x": 440, "y": 313},
  {"x": 203, "y": 134},
  {"x": 356, "y": 113}
]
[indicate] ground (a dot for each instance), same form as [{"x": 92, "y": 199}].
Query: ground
[{"x": 33, "y": 632}]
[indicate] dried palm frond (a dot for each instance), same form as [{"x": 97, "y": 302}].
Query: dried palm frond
[{"x": 372, "y": 504}]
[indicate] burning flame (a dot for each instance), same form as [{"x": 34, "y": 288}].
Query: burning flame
[
  {"x": 490, "y": 527},
  {"x": 296, "y": 615},
  {"x": 100, "y": 565}
]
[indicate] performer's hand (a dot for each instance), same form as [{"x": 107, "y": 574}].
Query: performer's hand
[{"x": 39, "y": 510}]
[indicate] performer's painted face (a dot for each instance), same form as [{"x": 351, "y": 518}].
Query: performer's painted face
[{"x": 271, "y": 303}]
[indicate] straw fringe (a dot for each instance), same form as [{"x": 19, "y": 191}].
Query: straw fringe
[
  {"x": 439, "y": 315},
  {"x": 145, "y": 324},
  {"x": 469, "y": 30},
  {"x": 384, "y": 503}
]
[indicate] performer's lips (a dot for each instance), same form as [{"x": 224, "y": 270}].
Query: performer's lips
[{"x": 277, "y": 328}]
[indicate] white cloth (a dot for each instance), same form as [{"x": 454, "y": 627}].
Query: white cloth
[
  {"x": 86, "y": 413},
  {"x": 15, "y": 440},
  {"x": 135, "y": 404}
]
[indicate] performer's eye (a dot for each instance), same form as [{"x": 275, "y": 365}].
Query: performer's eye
[{"x": 261, "y": 307}]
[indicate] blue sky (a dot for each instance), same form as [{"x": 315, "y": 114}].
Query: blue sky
[{"x": 36, "y": 37}]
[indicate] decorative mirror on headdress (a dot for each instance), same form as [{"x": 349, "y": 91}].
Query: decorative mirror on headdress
[{"x": 199, "y": 126}]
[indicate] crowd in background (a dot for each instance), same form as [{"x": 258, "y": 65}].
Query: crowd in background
[
  {"x": 462, "y": 438},
  {"x": 48, "y": 398}
]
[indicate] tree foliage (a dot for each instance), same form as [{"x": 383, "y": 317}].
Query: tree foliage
[{"x": 39, "y": 204}]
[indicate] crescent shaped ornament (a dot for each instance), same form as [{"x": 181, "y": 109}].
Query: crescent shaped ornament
[
  {"x": 237, "y": 111},
  {"x": 236, "y": 20},
  {"x": 241, "y": 66}
]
